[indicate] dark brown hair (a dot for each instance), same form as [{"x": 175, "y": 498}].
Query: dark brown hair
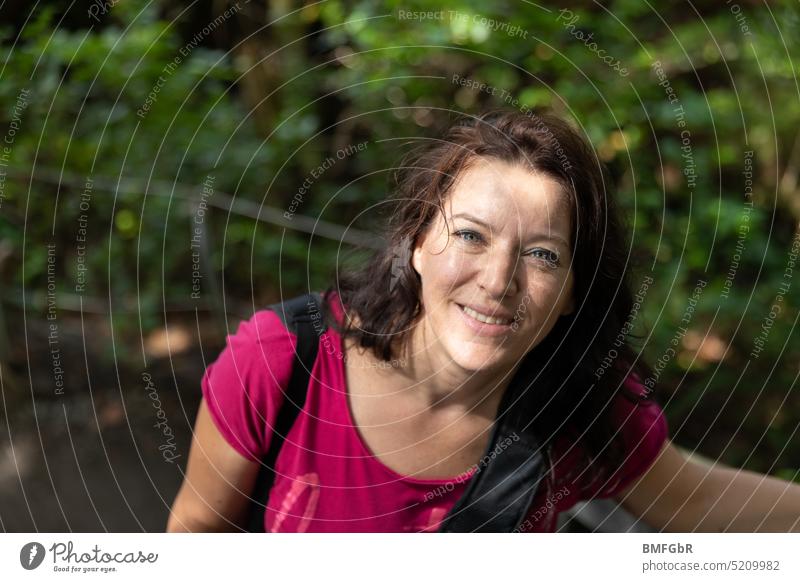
[{"x": 569, "y": 397}]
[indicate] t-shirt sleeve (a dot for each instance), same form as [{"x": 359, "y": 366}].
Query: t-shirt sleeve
[
  {"x": 643, "y": 430},
  {"x": 244, "y": 387}
]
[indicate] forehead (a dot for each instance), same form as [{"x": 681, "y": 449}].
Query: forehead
[{"x": 492, "y": 188}]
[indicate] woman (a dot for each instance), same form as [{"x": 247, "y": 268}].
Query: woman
[{"x": 505, "y": 257}]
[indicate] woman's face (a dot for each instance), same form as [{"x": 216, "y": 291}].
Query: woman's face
[{"x": 502, "y": 252}]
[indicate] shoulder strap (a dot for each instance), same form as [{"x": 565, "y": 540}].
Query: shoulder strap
[
  {"x": 303, "y": 317},
  {"x": 499, "y": 494},
  {"x": 502, "y": 490}
]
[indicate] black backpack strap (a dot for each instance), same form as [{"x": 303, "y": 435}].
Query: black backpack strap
[
  {"x": 499, "y": 495},
  {"x": 303, "y": 317},
  {"x": 501, "y": 492}
]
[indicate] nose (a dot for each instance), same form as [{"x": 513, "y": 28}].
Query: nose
[{"x": 499, "y": 274}]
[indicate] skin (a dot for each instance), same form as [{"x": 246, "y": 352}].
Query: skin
[
  {"x": 213, "y": 496},
  {"x": 506, "y": 264},
  {"x": 453, "y": 382},
  {"x": 432, "y": 418},
  {"x": 677, "y": 494}
]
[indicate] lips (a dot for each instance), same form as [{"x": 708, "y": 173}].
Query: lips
[{"x": 488, "y": 315}]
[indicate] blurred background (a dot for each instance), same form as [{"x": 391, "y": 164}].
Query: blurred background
[{"x": 167, "y": 168}]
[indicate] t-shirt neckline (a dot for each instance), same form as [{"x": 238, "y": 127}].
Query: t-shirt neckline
[{"x": 351, "y": 424}]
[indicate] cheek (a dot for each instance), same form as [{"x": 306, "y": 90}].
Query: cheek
[
  {"x": 548, "y": 295},
  {"x": 444, "y": 271}
]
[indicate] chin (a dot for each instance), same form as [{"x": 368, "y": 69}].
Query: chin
[{"x": 475, "y": 357}]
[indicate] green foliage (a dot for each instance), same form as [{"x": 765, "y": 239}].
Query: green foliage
[{"x": 368, "y": 74}]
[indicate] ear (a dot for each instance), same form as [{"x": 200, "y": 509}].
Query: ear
[
  {"x": 417, "y": 252},
  {"x": 416, "y": 258},
  {"x": 569, "y": 306}
]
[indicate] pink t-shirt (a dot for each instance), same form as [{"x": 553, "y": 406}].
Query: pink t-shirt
[{"x": 328, "y": 480}]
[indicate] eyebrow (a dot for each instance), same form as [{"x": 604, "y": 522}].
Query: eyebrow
[{"x": 488, "y": 227}]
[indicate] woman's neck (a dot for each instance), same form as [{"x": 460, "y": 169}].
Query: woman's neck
[
  {"x": 430, "y": 377},
  {"x": 442, "y": 383}
]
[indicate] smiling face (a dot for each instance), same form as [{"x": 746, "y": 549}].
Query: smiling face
[{"x": 501, "y": 251}]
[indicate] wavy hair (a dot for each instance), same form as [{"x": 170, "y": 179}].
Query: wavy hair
[{"x": 569, "y": 398}]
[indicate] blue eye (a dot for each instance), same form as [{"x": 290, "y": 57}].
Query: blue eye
[
  {"x": 463, "y": 234},
  {"x": 550, "y": 257}
]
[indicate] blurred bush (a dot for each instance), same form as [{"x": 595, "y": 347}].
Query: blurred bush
[{"x": 272, "y": 91}]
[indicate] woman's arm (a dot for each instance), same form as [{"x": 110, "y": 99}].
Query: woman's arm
[
  {"x": 214, "y": 494},
  {"x": 677, "y": 494}
]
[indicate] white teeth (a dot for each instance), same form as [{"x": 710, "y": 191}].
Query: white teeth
[{"x": 475, "y": 315}]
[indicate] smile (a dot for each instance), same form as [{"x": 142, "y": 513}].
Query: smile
[{"x": 485, "y": 318}]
